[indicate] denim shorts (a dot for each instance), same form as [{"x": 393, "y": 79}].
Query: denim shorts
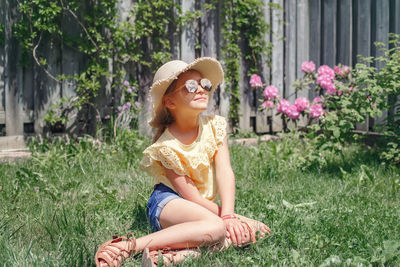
[{"x": 161, "y": 195}]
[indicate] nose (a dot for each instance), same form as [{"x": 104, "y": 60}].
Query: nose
[{"x": 200, "y": 89}]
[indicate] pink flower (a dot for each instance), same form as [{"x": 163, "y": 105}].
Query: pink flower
[
  {"x": 317, "y": 100},
  {"x": 267, "y": 104},
  {"x": 98, "y": 117},
  {"x": 107, "y": 117},
  {"x": 292, "y": 112},
  {"x": 323, "y": 80},
  {"x": 330, "y": 89},
  {"x": 119, "y": 108},
  {"x": 127, "y": 105},
  {"x": 316, "y": 111},
  {"x": 339, "y": 92},
  {"x": 129, "y": 90},
  {"x": 137, "y": 103},
  {"x": 346, "y": 70},
  {"x": 308, "y": 66},
  {"x": 255, "y": 81},
  {"x": 283, "y": 106},
  {"x": 126, "y": 83},
  {"x": 338, "y": 71},
  {"x": 301, "y": 104},
  {"x": 326, "y": 70},
  {"x": 271, "y": 92}
]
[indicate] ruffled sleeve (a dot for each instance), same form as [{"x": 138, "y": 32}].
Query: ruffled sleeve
[
  {"x": 218, "y": 125},
  {"x": 158, "y": 156}
]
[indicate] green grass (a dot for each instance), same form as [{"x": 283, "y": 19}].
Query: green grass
[{"x": 62, "y": 203}]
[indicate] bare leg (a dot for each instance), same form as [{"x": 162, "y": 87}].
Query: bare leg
[{"x": 185, "y": 225}]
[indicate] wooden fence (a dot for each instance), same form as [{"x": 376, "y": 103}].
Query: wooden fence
[{"x": 324, "y": 31}]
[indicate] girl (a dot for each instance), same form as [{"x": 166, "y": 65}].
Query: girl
[{"x": 190, "y": 163}]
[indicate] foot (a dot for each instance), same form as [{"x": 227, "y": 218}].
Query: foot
[
  {"x": 259, "y": 228},
  {"x": 113, "y": 252},
  {"x": 169, "y": 257}
]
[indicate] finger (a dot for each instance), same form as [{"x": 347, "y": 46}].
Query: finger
[
  {"x": 243, "y": 230},
  {"x": 238, "y": 235},
  {"x": 232, "y": 234}
]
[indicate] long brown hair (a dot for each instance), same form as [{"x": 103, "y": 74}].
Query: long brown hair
[{"x": 165, "y": 117}]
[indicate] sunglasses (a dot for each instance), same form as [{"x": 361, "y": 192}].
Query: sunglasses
[{"x": 192, "y": 85}]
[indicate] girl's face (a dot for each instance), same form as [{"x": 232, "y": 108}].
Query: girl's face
[{"x": 182, "y": 100}]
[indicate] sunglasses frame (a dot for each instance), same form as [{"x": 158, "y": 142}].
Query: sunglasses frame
[{"x": 192, "y": 85}]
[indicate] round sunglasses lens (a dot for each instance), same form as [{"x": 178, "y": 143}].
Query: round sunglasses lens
[
  {"x": 206, "y": 84},
  {"x": 191, "y": 86}
]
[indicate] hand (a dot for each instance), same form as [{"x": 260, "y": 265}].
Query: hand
[{"x": 238, "y": 231}]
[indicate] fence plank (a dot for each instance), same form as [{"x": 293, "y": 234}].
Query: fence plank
[
  {"x": 315, "y": 36},
  {"x": 223, "y": 94},
  {"x": 277, "y": 59},
  {"x": 329, "y": 33},
  {"x": 290, "y": 47},
  {"x": 380, "y": 34},
  {"x": 188, "y": 34},
  {"x": 362, "y": 38},
  {"x": 48, "y": 91},
  {"x": 245, "y": 91},
  {"x": 13, "y": 90},
  {"x": 395, "y": 11},
  {"x": 302, "y": 45},
  {"x": 28, "y": 93},
  {"x": 344, "y": 32},
  {"x": 264, "y": 118},
  {"x": 2, "y": 69},
  {"x": 209, "y": 46}
]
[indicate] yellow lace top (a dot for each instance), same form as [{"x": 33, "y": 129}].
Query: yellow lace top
[{"x": 195, "y": 160}]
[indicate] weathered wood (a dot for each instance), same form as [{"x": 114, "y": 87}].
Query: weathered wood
[
  {"x": 290, "y": 47},
  {"x": 188, "y": 39},
  {"x": 394, "y": 16},
  {"x": 2, "y": 69},
  {"x": 209, "y": 46},
  {"x": 48, "y": 91},
  {"x": 362, "y": 38},
  {"x": 344, "y": 32},
  {"x": 28, "y": 92},
  {"x": 223, "y": 94},
  {"x": 329, "y": 33},
  {"x": 277, "y": 59},
  {"x": 303, "y": 34},
  {"x": 13, "y": 90},
  {"x": 381, "y": 34},
  {"x": 264, "y": 118},
  {"x": 315, "y": 36},
  {"x": 245, "y": 91}
]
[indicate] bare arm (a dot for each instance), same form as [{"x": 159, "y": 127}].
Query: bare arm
[
  {"x": 188, "y": 190},
  {"x": 225, "y": 179}
]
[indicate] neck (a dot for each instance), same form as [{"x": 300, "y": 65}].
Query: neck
[{"x": 186, "y": 122}]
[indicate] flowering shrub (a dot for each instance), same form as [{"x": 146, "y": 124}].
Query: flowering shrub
[{"x": 345, "y": 98}]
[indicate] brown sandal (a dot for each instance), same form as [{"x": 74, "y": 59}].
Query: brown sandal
[
  {"x": 112, "y": 254},
  {"x": 169, "y": 257}
]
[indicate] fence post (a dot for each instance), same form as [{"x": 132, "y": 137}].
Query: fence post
[
  {"x": 209, "y": 46},
  {"x": 13, "y": 90},
  {"x": 188, "y": 34},
  {"x": 277, "y": 59},
  {"x": 2, "y": 67}
]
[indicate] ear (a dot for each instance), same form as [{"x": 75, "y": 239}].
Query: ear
[{"x": 169, "y": 103}]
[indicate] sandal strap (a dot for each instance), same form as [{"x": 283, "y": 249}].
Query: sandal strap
[{"x": 109, "y": 256}]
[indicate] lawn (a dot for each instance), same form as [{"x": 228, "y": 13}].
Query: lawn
[{"x": 67, "y": 199}]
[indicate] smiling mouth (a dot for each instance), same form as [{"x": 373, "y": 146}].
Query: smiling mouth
[{"x": 200, "y": 98}]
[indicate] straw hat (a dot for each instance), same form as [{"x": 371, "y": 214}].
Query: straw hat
[{"x": 208, "y": 67}]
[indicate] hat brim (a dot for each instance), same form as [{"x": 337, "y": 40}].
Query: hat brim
[{"x": 208, "y": 67}]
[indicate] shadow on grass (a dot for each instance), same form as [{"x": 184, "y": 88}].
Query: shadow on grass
[{"x": 140, "y": 221}]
